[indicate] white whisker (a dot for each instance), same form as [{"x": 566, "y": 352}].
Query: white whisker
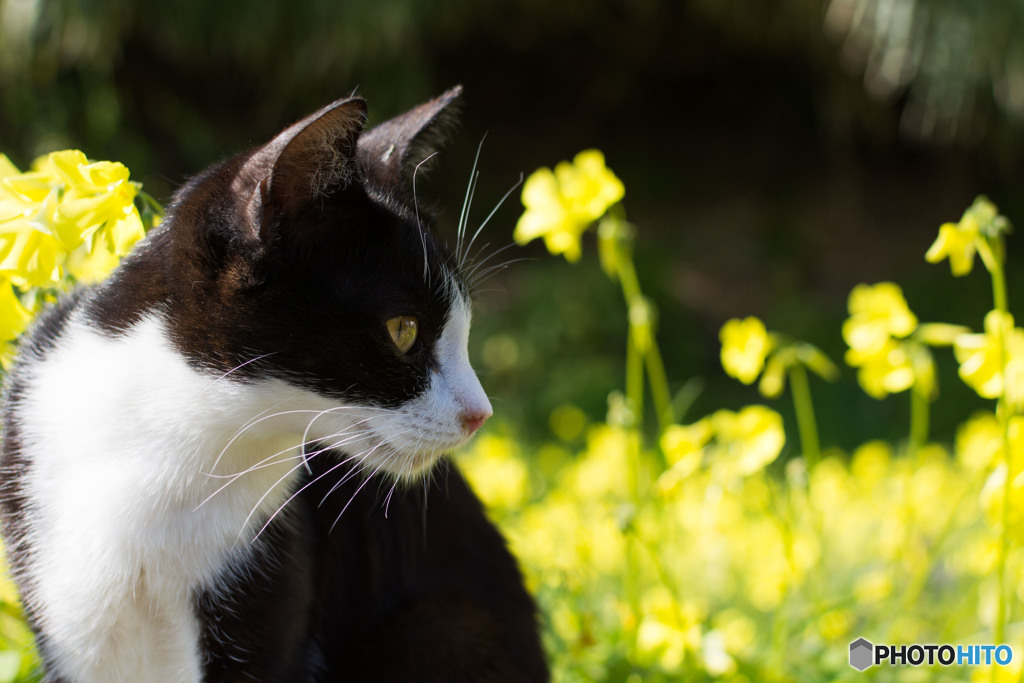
[
  {"x": 460, "y": 232},
  {"x": 494, "y": 211},
  {"x": 360, "y": 488},
  {"x": 419, "y": 225},
  {"x": 237, "y": 367}
]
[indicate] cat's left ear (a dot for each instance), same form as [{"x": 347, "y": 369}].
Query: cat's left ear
[
  {"x": 306, "y": 161},
  {"x": 391, "y": 152}
]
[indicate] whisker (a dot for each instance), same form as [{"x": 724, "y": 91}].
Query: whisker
[
  {"x": 363, "y": 457},
  {"x": 494, "y": 211},
  {"x": 360, "y": 488},
  {"x": 237, "y": 367},
  {"x": 305, "y": 433},
  {"x": 416, "y": 207},
  {"x": 262, "y": 464},
  {"x": 265, "y": 462},
  {"x": 460, "y": 232},
  {"x": 289, "y": 473},
  {"x": 301, "y": 489},
  {"x": 261, "y": 417}
]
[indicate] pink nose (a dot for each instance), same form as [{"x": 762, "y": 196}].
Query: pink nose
[{"x": 472, "y": 421}]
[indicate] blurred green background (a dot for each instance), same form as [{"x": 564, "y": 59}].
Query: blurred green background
[{"x": 775, "y": 152}]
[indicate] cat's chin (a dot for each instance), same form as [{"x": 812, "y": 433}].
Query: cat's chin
[{"x": 405, "y": 463}]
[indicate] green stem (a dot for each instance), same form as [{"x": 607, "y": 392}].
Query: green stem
[
  {"x": 659, "y": 387},
  {"x": 918, "y": 420},
  {"x": 628, "y": 279},
  {"x": 660, "y": 393},
  {"x": 634, "y": 403},
  {"x": 805, "y": 420},
  {"x": 1003, "y": 414}
]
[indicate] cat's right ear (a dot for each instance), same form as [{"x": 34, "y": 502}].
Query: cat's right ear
[{"x": 305, "y": 162}]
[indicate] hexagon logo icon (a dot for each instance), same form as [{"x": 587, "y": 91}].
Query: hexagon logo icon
[{"x": 861, "y": 654}]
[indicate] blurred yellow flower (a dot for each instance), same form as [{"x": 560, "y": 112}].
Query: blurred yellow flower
[
  {"x": 957, "y": 242},
  {"x": 745, "y": 345},
  {"x": 885, "y": 371},
  {"x": 877, "y": 313},
  {"x": 992, "y": 502},
  {"x": 561, "y": 205},
  {"x": 679, "y": 442},
  {"x": 879, "y": 320},
  {"x": 748, "y": 440},
  {"x": 979, "y": 441},
  {"x": 982, "y": 362},
  {"x": 683, "y": 446},
  {"x": 498, "y": 475},
  {"x": 870, "y": 463},
  {"x": 603, "y": 469},
  {"x": 668, "y": 629}
]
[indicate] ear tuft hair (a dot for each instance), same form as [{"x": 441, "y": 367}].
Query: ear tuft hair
[{"x": 391, "y": 152}]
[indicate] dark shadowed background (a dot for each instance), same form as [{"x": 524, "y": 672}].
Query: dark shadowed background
[{"x": 775, "y": 152}]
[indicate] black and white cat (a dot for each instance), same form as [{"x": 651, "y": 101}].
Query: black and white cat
[{"x": 183, "y": 445}]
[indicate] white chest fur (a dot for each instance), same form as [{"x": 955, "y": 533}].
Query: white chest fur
[{"x": 127, "y": 443}]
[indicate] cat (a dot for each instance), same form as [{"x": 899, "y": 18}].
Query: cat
[{"x": 225, "y": 463}]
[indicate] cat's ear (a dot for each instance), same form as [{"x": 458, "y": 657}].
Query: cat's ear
[
  {"x": 308, "y": 160},
  {"x": 391, "y": 152}
]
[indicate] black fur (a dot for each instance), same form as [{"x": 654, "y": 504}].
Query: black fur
[{"x": 427, "y": 593}]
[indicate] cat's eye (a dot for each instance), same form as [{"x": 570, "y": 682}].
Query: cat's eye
[{"x": 403, "y": 332}]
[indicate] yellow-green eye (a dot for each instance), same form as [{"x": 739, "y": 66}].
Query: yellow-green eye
[{"x": 403, "y": 332}]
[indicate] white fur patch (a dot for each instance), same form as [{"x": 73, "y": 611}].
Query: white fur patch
[{"x": 148, "y": 476}]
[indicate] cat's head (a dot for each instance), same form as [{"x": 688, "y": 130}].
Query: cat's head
[{"x": 308, "y": 264}]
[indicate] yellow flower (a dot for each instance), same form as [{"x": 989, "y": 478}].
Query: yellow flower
[
  {"x": 498, "y": 475},
  {"x": 877, "y": 312},
  {"x": 14, "y": 317},
  {"x": 588, "y": 185},
  {"x": 887, "y": 370},
  {"x": 979, "y": 441},
  {"x": 30, "y": 252},
  {"x": 683, "y": 447},
  {"x": 680, "y": 441},
  {"x": 745, "y": 345},
  {"x": 957, "y": 242},
  {"x": 97, "y": 196},
  {"x": 60, "y": 206},
  {"x": 561, "y": 205},
  {"x": 748, "y": 440},
  {"x": 981, "y": 360},
  {"x": 879, "y": 319},
  {"x": 91, "y": 267}
]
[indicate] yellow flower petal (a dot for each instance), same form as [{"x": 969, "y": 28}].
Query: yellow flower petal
[
  {"x": 14, "y": 317},
  {"x": 745, "y": 345},
  {"x": 957, "y": 244}
]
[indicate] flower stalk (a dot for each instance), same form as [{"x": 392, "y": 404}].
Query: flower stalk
[{"x": 806, "y": 423}]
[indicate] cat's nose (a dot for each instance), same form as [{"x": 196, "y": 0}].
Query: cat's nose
[{"x": 473, "y": 419}]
